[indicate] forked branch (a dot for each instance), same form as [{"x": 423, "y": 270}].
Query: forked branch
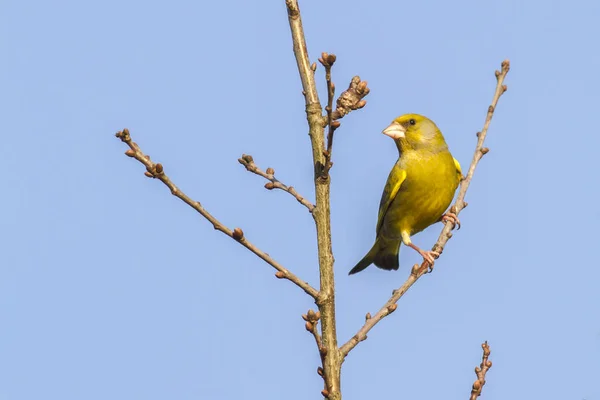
[{"x": 155, "y": 170}]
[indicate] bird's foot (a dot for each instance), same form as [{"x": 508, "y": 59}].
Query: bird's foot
[
  {"x": 450, "y": 216},
  {"x": 428, "y": 256}
]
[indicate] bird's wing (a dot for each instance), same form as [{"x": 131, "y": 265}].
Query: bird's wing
[
  {"x": 395, "y": 179},
  {"x": 458, "y": 169}
]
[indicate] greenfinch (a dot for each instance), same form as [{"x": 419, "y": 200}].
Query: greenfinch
[{"x": 418, "y": 190}]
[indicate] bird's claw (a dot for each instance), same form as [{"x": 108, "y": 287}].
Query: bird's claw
[
  {"x": 429, "y": 257},
  {"x": 452, "y": 217}
]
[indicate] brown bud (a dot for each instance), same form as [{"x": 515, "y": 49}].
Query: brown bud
[
  {"x": 362, "y": 86},
  {"x": 477, "y": 385},
  {"x": 159, "y": 168},
  {"x": 313, "y": 67},
  {"x": 309, "y": 326},
  {"x": 248, "y": 158},
  {"x": 148, "y": 174},
  {"x": 305, "y": 317},
  {"x": 491, "y": 109},
  {"x": 126, "y": 132},
  {"x": 484, "y": 150},
  {"x": 318, "y": 315},
  {"x": 497, "y": 73},
  {"x": 270, "y": 171},
  {"x": 325, "y": 393},
  {"x": 449, "y": 235},
  {"x": 280, "y": 274},
  {"x": 130, "y": 153},
  {"x": 465, "y": 204},
  {"x": 488, "y": 364},
  {"x": 238, "y": 234},
  {"x": 269, "y": 185},
  {"x": 504, "y": 88},
  {"x": 361, "y": 104},
  {"x": 335, "y": 124},
  {"x": 392, "y": 307},
  {"x": 415, "y": 269},
  {"x": 320, "y": 371},
  {"x": 311, "y": 315},
  {"x": 331, "y": 59},
  {"x": 323, "y": 351},
  {"x": 368, "y": 316},
  {"x": 478, "y": 133}
]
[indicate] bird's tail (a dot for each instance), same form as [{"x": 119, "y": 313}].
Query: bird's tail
[{"x": 384, "y": 254}]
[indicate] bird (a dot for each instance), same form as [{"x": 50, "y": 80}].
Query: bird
[{"x": 418, "y": 191}]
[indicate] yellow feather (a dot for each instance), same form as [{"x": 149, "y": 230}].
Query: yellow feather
[{"x": 419, "y": 189}]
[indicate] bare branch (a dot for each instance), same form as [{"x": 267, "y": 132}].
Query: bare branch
[
  {"x": 321, "y": 213},
  {"x": 248, "y": 162},
  {"x": 327, "y": 60},
  {"x": 155, "y": 170},
  {"x": 446, "y": 234},
  {"x": 480, "y": 372}
]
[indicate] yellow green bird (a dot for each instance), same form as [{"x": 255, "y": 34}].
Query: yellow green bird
[{"x": 419, "y": 189}]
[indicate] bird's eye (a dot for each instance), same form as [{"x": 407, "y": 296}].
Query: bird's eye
[{"x": 412, "y": 122}]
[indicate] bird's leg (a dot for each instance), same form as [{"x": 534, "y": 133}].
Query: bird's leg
[
  {"x": 428, "y": 256},
  {"x": 450, "y": 216}
]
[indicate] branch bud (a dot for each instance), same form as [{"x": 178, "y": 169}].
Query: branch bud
[
  {"x": 269, "y": 185},
  {"x": 130, "y": 153},
  {"x": 270, "y": 171},
  {"x": 148, "y": 174},
  {"x": 325, "y": 393},
  {"x": 313, "y": 67},
  {"x": 368, "y": 316},
  {"x": 320, "y": 371},
  {"x": 238, "y": 234},
  {"x": 309, "y": 327},
  {"x": 279, "y": 274},
  {"x": 305, "y": 317},
  {"x": 391, "y": 308},
  {"x": 159, "y": 168},
  {"x": 331, "y": 59}
]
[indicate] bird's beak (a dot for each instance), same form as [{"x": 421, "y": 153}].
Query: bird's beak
[{"x": 395, "y": 130}]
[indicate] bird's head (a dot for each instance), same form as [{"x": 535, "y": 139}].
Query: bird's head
[{"x": 414, "y": 131}]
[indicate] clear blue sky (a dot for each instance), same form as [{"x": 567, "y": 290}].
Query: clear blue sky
[{"x": 110, "y": 288}]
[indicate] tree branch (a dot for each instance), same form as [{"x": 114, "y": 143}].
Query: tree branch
[
  {"x": 248, "y": 162},
  {"x": 446, "y": 234},
  {"x": 155, "y": 170},
  {"x": 321, "y": 213},
  {"x": 327, "y": 60},
  {"x": 480, "y": 372}
]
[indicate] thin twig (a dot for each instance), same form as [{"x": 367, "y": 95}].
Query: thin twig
[
  {"x": 480, "y": 371},
  {"x": 248, "y": 162},
  {"x": 155, "y": 170},
  {"x": 446, "y": 234},
  {"x": 327, "y": 60}
]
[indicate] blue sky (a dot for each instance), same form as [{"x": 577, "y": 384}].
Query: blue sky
[{"x": 112, "y": 288}]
